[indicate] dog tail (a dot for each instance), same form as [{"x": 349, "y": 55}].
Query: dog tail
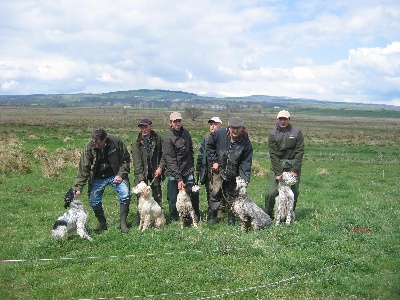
[{"x": 60, "y": 223}]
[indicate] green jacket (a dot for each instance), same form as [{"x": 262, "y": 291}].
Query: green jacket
[
  {"x": 140, "y": 157},
  {"x": 286, "y": 149},
  {"x": 118, "y": 157},
  {"x": 202, "y": 164}
]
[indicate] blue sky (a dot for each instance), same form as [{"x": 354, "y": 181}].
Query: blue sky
[{"x": 327, "y": 50}]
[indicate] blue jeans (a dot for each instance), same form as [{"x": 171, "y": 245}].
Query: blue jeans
[{"x": 97, "y": 190}]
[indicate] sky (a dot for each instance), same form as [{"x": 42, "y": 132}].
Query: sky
[{"x": 334, "y": 50}]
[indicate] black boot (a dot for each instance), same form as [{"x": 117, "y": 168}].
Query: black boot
[
  {"x": 212, "y": 215},
  {"x": 99, "y": 213},
  {"x": 123, "y": 214},
  {"x": 231, "y": 218}
]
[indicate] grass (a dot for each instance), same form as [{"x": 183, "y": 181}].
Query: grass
[{"x": 344, "y": 243}]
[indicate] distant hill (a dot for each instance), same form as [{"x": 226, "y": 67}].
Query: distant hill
[{"x": 162, "y": 99}]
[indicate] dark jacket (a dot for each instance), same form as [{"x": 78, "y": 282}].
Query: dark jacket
[
  {"x": 286, "y": 149},
  {"x": 118, "y": 157},
  {"x": 178, "y": 152},
  {"x": 234, "y": 157},
  {"x": 141, "y": 158},
  {"x": 202, "y": 164}
]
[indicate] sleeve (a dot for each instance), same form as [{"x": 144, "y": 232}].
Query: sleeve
[
  {"x": 84, "y": 168},
  {"x": 298, "y": 153},
  {"x": 200, "y": 155},
  {"x": 138, "y": 167},
  {"x": 246, "y": 163},
  {"x": 274, "y": 155},
  {"x": 125, "y": 160},
  {"x": 171, "y": 159},
  {"x": 211, "y": 148}
]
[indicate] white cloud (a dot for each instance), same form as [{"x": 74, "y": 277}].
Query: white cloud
[{"x": 331, "y": 50}]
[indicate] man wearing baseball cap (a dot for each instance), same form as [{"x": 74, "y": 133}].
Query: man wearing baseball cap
[
  {"x": 230, "y": 153},
  {"x": 203, "y": 168},
  {"x": 286, "y": 150},
  {"x": 148, "y": 159},
  {"x": 179, "y": 157}
]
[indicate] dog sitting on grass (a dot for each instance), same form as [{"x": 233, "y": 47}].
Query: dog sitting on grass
[
  {"x": 251, "y": 215},
  {"x": 73, "y": 220},
  {"x": 184, "y": 206},
  {"x": 285, "y": 200},
  {"x": 150, "y": 212}
]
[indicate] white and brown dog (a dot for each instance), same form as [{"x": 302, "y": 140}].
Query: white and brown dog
[
  {"x": 251, "y": 215},
  {"x": 285, "y": 200},
  {"x": 150, "y": 212},
  {"x": 73, "y": 220},
  {"x": 187, "y": 215}
]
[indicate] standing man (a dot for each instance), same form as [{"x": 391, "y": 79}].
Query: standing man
[
  {"x": 203, "y": 168},
  {"x": 179, "y": 157},
  {"x": 148, "y": 158},
  {"x": 286, "y": 150},
  {"x": 230, "y": 152},
  {"x": 105, "y": 161}
]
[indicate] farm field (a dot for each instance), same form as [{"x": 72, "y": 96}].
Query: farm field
[{"x": 344, "y": 244}]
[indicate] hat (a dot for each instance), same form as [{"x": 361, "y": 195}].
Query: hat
[
  {"x": 235, "y": 122},
  {"x": 283, "y": 114},
  {"x": 215, "y": 119},
  {"x": 175, "y": 116},
  {"x": 145, "y": 122}
]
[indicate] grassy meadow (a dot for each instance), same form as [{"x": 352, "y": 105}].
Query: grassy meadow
[{"x": 344, "y": 244}]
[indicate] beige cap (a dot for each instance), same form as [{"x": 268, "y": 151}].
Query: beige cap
[
  {"x": 175, "y": 116},
  {"x": 215, "y": 119},
  {"x": 283, "y": 114}
]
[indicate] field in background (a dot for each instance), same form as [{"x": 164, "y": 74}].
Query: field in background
[{"x": 344, "y": 243}]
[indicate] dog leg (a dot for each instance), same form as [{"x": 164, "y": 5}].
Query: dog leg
[{"x": 80, "y": 230}]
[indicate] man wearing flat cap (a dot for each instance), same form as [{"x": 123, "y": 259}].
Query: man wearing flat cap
[
  {"x": 230, "y": 153},
  {"x": 203, "y": 168},
  {"x": 179, "y": 158},
  {"x": 148, "y": 159},
  {"x": 286, "y": 150}
]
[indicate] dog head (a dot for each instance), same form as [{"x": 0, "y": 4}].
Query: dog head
[
  {"x": 142, "y": 188},
  {"x": 288, "y": 179},
  {"x": 241, "y": 186},
  {"x": 69, "y": 197}
]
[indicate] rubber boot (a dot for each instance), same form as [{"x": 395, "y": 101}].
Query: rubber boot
[
  {"x": 123, "y": 214},
  {"x": 212, "y": 217},
  {"x": 99, "y": 213},
  {"x": 231, "y": 218}
]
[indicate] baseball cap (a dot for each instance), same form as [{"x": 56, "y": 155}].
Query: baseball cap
[
  {"x": 145, "y": 122},
  {"x": 215, "y": 119},
  {"x": 283, "y": 114},
  {"x": 235, "y": 122},
  {"x": 175, "y": 116}
]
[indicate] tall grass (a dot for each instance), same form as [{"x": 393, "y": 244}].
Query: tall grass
[{"x": 344, "y": 243}]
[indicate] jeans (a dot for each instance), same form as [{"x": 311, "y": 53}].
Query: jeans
[{"x": 97, "y": 190}]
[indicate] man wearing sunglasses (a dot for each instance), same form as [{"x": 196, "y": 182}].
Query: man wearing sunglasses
[{"x": 286, "y": 150}]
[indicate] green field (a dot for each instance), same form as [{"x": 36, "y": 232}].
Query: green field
[{"x": 344, "y": 244}]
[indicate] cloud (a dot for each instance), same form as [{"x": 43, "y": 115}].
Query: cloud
[{"x": 328, "y": 50}]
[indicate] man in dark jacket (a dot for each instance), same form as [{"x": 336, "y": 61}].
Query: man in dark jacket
[
  {"x": 286, "y": 150},
  {"x": 105, "y": 161},
  {"x": 148, "y": 159},
  {"x": 179, "y": 158},
  {"x": 230, "y": 152},
  {"x": 203, "y": 167}
]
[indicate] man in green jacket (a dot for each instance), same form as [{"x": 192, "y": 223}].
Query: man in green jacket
[
  {"x": 148, "y": 158},
  {"x": 105, "y": 161},
  {"x": 286, "y": 150}
]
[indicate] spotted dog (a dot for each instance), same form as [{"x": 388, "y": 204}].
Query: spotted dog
[
  {"x": 285, "y": 200},
  {"x": 251, "y": 215},
  {"x": 184, "y": 206},
  {"x": 73, "y": 220},
  {"x": 150, "y": 212}
]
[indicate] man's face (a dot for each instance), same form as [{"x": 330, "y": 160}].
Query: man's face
[
  {"x": 283, "y": 122},
  {"x": 235, "y": 131},
  {"x": 176, "y": 124},
  {"x": 98, "y": 143},
  {"x": 214, "y": 126},
  {"x": 145, "y": 130}
]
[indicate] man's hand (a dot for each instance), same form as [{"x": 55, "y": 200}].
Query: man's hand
[{"x": 117, "y": 179}]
